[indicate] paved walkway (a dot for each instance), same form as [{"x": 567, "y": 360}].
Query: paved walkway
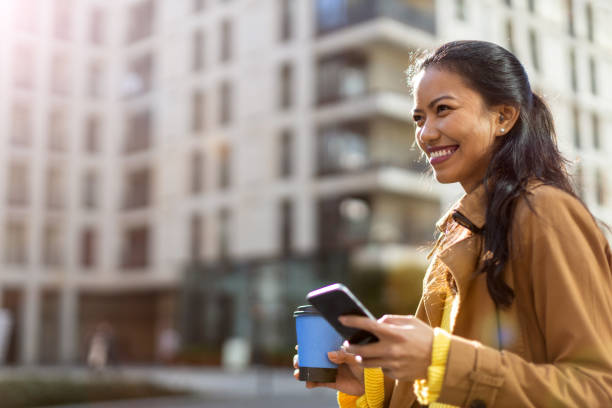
[{"x": 213, "y": 388}]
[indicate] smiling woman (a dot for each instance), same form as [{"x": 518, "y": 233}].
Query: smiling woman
[
  {"x": 516, "y": 301},
  {"x": 455, "y": 128}
]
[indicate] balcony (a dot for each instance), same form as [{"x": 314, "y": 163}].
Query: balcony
[
  {"x": 367, "y": 144},
  {"x": 334, "y": 15},
  {"x": 349, "y": 221}
]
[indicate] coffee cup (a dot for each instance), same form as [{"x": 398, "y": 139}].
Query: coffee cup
[{"x": 315, "y": 338}]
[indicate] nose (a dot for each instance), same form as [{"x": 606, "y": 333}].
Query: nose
[{"x": 428, "y": 133}]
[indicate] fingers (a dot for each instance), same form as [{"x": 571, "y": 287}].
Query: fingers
[
  {"x": 365, "y": 351},
  {"x": 365, "y": 323},
  {"x": 295, "y": 361},
  {"x": 342, "y": 357},
  {"x": 398, "y": 320}
]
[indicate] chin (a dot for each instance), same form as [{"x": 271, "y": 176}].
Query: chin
[{"x": 444, "y": 179}]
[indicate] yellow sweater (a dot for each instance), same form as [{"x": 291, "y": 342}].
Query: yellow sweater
[{"x": 426, "y": 390}]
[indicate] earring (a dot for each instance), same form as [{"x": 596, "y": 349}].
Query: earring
[{"x": 502, "y": 130}]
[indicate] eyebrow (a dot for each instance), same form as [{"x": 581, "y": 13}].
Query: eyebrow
[{"x": 432, "y": 103}]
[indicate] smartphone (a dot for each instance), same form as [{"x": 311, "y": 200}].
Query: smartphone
[{"x": 337, "y": 300}]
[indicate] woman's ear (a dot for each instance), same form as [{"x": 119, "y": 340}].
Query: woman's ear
[{"x": 507, "y": 115}]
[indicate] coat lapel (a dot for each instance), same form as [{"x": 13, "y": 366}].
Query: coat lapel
[{"x": 458, "y": 251}]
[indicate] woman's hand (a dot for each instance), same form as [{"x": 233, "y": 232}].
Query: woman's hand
[
  {"x": 404, "y": 347},
  {"x": 349, "y": 379}
]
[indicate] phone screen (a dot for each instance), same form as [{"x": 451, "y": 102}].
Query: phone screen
[{"x": 337, "y": 300}]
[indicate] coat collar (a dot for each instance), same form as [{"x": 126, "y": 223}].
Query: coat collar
[
  {"x": 459, "y": 252},
  {"x": 472, "y": 206}
]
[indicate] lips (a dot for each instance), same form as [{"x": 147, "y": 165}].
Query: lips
[{"x": 441, "y": 153}]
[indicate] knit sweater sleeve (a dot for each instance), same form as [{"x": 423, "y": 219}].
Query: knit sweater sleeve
[{"x": 374, "y": 392}]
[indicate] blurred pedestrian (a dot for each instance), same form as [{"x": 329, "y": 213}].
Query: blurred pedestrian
[
  {"x": 519, "y": 287},
  {"x": 168, "y": 344},
  {"x": 101, "y": 347},
  {"x": 6, "y": 324}
]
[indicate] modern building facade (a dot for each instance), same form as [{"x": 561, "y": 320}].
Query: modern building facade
[{"x": 204, "y": 163}]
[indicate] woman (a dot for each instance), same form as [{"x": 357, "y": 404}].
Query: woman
[{"x": 519, "y": 289}]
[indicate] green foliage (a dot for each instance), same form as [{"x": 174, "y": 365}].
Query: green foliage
[{"x": 36, "y": 392}]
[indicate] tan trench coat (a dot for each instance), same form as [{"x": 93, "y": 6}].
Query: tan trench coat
[{"x": 556, "y": 338}]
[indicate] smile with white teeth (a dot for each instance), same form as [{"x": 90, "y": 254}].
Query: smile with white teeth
[{"x": 440, "y": 153}]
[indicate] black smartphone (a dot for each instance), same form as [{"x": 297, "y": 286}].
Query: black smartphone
[{"x": 337, "y": 300}]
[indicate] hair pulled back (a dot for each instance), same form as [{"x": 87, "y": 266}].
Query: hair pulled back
[{"x": 527, "y": 152}]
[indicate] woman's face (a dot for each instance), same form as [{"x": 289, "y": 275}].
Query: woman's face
[{"x": 453, "y": 127}]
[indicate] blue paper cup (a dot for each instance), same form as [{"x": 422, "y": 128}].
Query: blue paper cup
[{"x": 315, "y": 337}]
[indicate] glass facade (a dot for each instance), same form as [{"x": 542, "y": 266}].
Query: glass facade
[{"x": 336, "y": 14}]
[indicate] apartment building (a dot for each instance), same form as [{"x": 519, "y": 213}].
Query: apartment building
[{"x": 204, "y": 163}]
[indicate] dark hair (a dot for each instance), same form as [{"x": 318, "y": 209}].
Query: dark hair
[{"x": 527, "y": 152}]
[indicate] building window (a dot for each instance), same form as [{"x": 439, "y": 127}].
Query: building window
[
  {"x": 573, "y": 71},
  {"x": 18, "y": 184},
  {"x": 600, "y": 187},
  {"x": 95, "y": 78},
  {"x": 344, "y": 222},
  {"x": 596, "y": 131},
  {"x": 534, "y": 49},
  {"x": 139, "y": 76},
  {"x": 197, "y": 173},
  {"x": 225, "y": 157},
  {"x": 21, "y": 132},
  {"x": 593, "y": 73},
  {"x": 198, "y": 5},
  {"x": 56, "y": 191},
  {"x": 52, "y": 246},
  {"x": 26, "y": 15},
  {"x": 286, "y": 154},
  {"x": 140, "y": 20},
  {"x": 226, "y": 41},
  {"x": 510, "y": 35},
  {"x": 60, "y": 74},
  {"x": 24, "y": 66},
  {"x": 197, "y": 111},
  {"x": 341, "y": 77},
  {"x": 576, "y": 122},
  {"x": 138, "y": 135},
  {"x": 62, "y": 19},
  {"x": 90, "y": 190},
  {"x": 198, "y": 50},
  {"x": 136, "y": 247},
  {"x": 334, "y": 15},
  {"x": 92, "y": 135},
  {"x": 343, "y": 148},
  {"x": 286, "y": 88},
  {"x": 286, "y": 226},
  {"x": 97, "y": 22},
  {"x": 196, "y": 236},
  {"x": 460, "y": 10},
  {"x": 16, "y": 243},
  {"x": 58, "y": 131},
  {"x": 225, "y": 102},
  {"x": 224, "y": 233},
  {"x": 137, "y": 192},
  {"x": 89, "y": 246},
  {"x": 571, "y": 28},
  {"x": 590, "y": 22},
  {"x": 286, "y": 20}
]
